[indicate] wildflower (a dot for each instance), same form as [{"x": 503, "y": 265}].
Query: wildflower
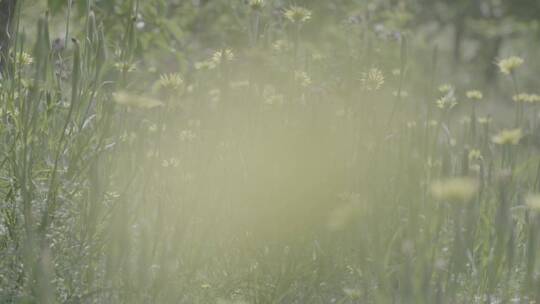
[
  {"x": 474, "y": 95},
  {"x": 475, "y": 154},
  {"x": 460, "y": 189},
  {"x": 256, "y": 5},
  {"x": 411, "y": 124},
  {"x": 297, "y": 14},
  {"x": 445, "y": 88},
  {"x": 127, "y": 99},
  {"x": 533, "y": 202},
  {"x": 447, "y": 102},
  {"x": 24, "y": 58},
  {"x": 508, "y": 65},
  {"x": 373, "y": 79},
  {"x": 524, "y": 97},
  {"x": 508, "y": 137},
  {"x": 171, "y": 82},
  {"x": 222, "y": 56},
  {"x": 302, "y": 78}
]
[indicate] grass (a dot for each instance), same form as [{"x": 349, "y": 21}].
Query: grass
[{"x": 289, "y": 167}]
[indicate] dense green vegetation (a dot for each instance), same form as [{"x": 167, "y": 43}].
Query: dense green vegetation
[{"x": 268, "y": 151}]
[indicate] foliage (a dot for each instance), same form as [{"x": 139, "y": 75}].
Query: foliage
[{"x": 265, "y": 152}]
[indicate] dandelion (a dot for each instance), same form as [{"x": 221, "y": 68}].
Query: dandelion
[
  {"x": 508, "y": 137},
  {"x": 24, "y": 58},
  {"x": 532, "y": 201},
  {"x": 447, "y": 102},
  {"x": 372, "y": 80},
  {"x": 171, "y": 82},
  {"x": 256, "y": 5},
  {"x": 445, "y": 88},
  {"x": 474, "y": 95},
  {"x": 221, "y": 56},
  {"x": 459, "y": 189},
  {"x": 508, "y": 65},
  {"x": 126, "y": 99},
  {"x": 297, "y": 14},
  {"x": 474, "y": 155},
  {"x": 524, "y": 97}
]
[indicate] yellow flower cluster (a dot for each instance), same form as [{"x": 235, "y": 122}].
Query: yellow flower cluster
[
  {"x": 510, "y": 64},
  {"x": 508, "y": 137},
  {"x": 524, "y": 97}
]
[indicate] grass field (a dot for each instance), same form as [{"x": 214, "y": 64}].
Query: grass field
[{"x": 253, "y": 152}]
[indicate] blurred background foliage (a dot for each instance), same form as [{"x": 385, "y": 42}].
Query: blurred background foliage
[{"x": 222, "y": 151}]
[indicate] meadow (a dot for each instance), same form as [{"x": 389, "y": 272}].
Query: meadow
[{"x": 269, "y": 151}]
